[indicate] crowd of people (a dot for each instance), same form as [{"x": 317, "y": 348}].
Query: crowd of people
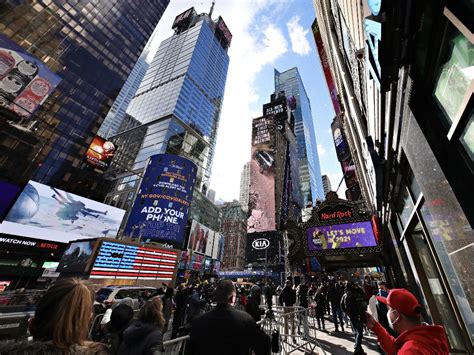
[{"x": 221, "y": 318}]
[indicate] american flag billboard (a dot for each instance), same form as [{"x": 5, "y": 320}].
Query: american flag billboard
[{"x": 125, "y": 261}]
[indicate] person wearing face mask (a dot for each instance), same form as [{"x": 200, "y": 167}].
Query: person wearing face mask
[{"x": 404, "y": 317}]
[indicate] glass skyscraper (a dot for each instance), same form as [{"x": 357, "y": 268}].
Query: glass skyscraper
[
  {"x": 177, "y": 106},
  {"x": 92, "y": 46},
  {"x": 310, "y": 173}
]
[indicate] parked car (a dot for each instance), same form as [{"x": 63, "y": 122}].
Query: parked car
[{"x": 111, "y": 294}]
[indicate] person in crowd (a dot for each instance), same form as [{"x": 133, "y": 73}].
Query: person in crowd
[
  {"x": 335, "y": 293},
  {"x": 167, "y": 307},
  {"x": 325, "y": 292},
  {"x": 268, "y": 292},
  {"x": 404, "y": 317},
  {"x": 302, "y": 295},
  {"x": 354, "y": 304},
  {"x": 287, "y": 299},
  {"x": 145, "y": 337},
  {"x": 120, "y": 319},
  {"x": 127, "y": 301},
  {"x": 253, "y": 303},
  {"x": 369, "y": 290},
  {"x": 61, "y": 323},
  {"x": 225, "y": 330},
  {"x": 195, "y": 304},
  {"x": 180, "y": 300},
  {"x": 320, "y": 300},
  {"x": 382, "y": 308}
]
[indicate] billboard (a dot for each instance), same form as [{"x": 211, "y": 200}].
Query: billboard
[
  {"x": 77, "y": 257},
  {"x": 30, "y": 246},
  {"x": 218, "y": 247},
  {"x": 133, "y": 262},
  {"x": 342, "y": 148},
  {"x": 224, "y": 30},
  {"x": 201, "y": 239},
  {"x": 263, "y": 247},
  {"x": 44, "y": 212},
  {"x": 8, "y": 194},
  {"x": 262, "y": 177},
  {"x": 161, "y": 207},
  {"x": 278, "y": 110},
  {"x": 100, "y": 153},
  {"x": 25, "y": 81},
  {"x": 339, "y": 236},
  {"x": 183, "y": 17}
]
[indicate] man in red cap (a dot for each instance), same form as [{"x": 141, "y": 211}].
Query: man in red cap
[{"x": 404, "y": 317}]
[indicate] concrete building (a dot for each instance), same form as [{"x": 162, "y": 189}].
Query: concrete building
[
  {"x": 234, "y": 229},
  {"x": 326, "y": 184},
  {"x": 244, "y": 187}
]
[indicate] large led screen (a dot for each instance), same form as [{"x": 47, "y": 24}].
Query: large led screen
[
  {"x": 100, "y": 153},
  {"x": 160, "y": 210},
  {"x": 133, "y": 262},
  {"x": 76, "y": 257},
  {"x": 262, "y": 177},
  {"x": 25, "y": 81},
  {"x": 201, "y": 239},
  {"x": 264, "y": 248},
  {"x": 339, "y": 236},
  {"x": 45, "y": 212}
]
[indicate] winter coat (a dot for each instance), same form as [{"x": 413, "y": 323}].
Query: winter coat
[
  {"x": 167, "y": 309},
  {"x": 11, "y": 347},
  {"x": 225, "y": 330},
  {"x": 320, "y": 300},
  {"x": 141, "y": 339},
  {"x": 422, "y": 340},
  {"x": 252, "y": 307},
  {"x": 335, "y": 293},
  {"x": 354, "y": 303},
  {"x": 287, "y": 297}
]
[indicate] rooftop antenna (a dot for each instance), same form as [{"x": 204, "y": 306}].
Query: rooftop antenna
[{"x": 212, "y": 9}]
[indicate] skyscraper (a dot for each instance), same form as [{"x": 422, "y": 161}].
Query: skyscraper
[
  {"x": 177, "y": 106},
  {"x": 310, "y": 173},
  {"x": 117, "y": 112},
  {"x": 326, "y": 184},
  {"x": 244, "y": 187},
  {"x": 92, "y": 46}
]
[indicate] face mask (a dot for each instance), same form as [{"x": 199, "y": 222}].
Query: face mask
[{"x": 390, "y": 322}]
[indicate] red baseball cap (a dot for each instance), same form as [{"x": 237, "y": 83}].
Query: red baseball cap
[{"x": 402, "y": 301}]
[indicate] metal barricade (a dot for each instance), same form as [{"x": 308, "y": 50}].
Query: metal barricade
[{"x": 175, "y": 346}]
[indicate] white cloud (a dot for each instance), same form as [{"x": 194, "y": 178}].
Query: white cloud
[
  {"x": 299, "y": 42},
  {"x": 321, "y": 150}
]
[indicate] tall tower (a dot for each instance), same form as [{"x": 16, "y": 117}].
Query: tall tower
[
  {"x": 244, "y": 187},
  {"x": 177, "y": 106},
  {"x": 92, "y": 46},
  {"x": 310, "y": 173},
  {"x": 326, "y": 184}
]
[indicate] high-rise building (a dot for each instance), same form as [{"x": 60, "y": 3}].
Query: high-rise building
[
  {"x": 234, "y": 229},
  {"x": 326, "y": 184},
  {"x": 92, "y": 46},
  {"x": 177, "y": 106},
  {"x": 115, "y": 117},
  {"x": 211, "y": 195},
  {"x": 244, "y": 187},
  {"x": 310, "y": 173}
]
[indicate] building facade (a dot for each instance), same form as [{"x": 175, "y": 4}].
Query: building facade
[
  {"x": 326, "y": 184},
  {"x": 177, "y": 106},
  {"x": 410, "y": 126},
  {"x": 92, "y": 47},
  {"x": 290, "y": 82},
  {"x": 115, "y": 117},
  {"x": 234, "y": 229},
  {"x": 244, "y": 187}
]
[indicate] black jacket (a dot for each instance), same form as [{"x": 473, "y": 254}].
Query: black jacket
[
  {"x": 354, "y": 303},
  {"x": 227, "y": 331},
  {"x": 252, "y": 308},
  {"x": 287, "y": 297},
  {"x": 141, "y": 339}
]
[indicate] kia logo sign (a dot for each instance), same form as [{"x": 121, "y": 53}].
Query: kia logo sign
[{"x": 260, "y": 243}]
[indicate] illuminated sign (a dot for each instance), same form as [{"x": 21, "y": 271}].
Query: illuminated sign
[
  {"x": 224, "y": 30},
  {"x": 183, "y": 17},
  {"x": 100, "y": 153},
  {"x": 76, "y": 257},
  {"x": 260, "y": 243}
]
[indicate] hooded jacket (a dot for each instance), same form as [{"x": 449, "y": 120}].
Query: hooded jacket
[
  {"x": 421, "y": 340},
  {"x": 141, "y": 339},
  {"x": 25, "y": 347}
]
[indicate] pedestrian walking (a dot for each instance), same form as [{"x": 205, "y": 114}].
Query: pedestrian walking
[
  {"x": 302, "y": 295},
  {"x": 320, "y": 300},
  {"x": 145, "y": 336},
  {"x": 225, "y": 330},
  {"x": 404, "y": 317},
  {"x": 167, "y": 307},
  {"x": 354, "y": 303},
  {"x": 335, "y": 293},
  {"x": 287, "y": 299}
]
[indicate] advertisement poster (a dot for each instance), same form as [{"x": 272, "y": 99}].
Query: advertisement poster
[
  {"x": 160, "y": 211},
  {"x": 224, "y": 30},
  {"x": 263, "y": 248},
  {"x": 262, "y": 177},
  {"x": 278, "y": 109},
  {"x": 201, "y": 239},
  {"x": 25, "y": 81},
  {"x": 218, "y": 247},
  {"x": 125, "y": 261},
  {"x": 45, "y": 212},
  {"x": 100, "y": 153},
  {"x": 76, "y": 257},
  {"x": 8, "y": 195},
  {"x": 338, "y": 236}
]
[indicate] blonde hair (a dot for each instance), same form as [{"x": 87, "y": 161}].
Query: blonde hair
[{"x": 64, "y": 314}]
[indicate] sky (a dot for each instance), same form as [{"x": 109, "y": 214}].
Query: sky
[{"x": 267, "y": 35}]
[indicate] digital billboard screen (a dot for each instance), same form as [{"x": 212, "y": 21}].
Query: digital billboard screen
[
  {"x": 25, "y": 81},
  {"x": 100, "y": 153},
  {"x": 279, "y": 110},
  {"x": 160, "y": 210},
  {"x": 263, "y": 248},
  {"x": 44, "y": 212},
  {"x": 201, "y": 239},
  {"x": 262, "y": 177},
  {"x": 224, "y": 30},
  {"x": 340, "y": 236},
  {"x": 183, "y": 17},
  {"x": 77, "y": 257},
  {"x": 8, "y": 194},
  {"x": 133, "y": 262}
]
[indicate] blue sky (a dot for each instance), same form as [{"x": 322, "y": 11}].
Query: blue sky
[{"x": 267, "y": 34}]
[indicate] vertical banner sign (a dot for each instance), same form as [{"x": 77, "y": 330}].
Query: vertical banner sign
[
  {"x": 160, "y": 210},
  {"x": 100, "y": 153},
  {"x": 25, "y": 81},
  {"x": 262, "y": 177}
]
